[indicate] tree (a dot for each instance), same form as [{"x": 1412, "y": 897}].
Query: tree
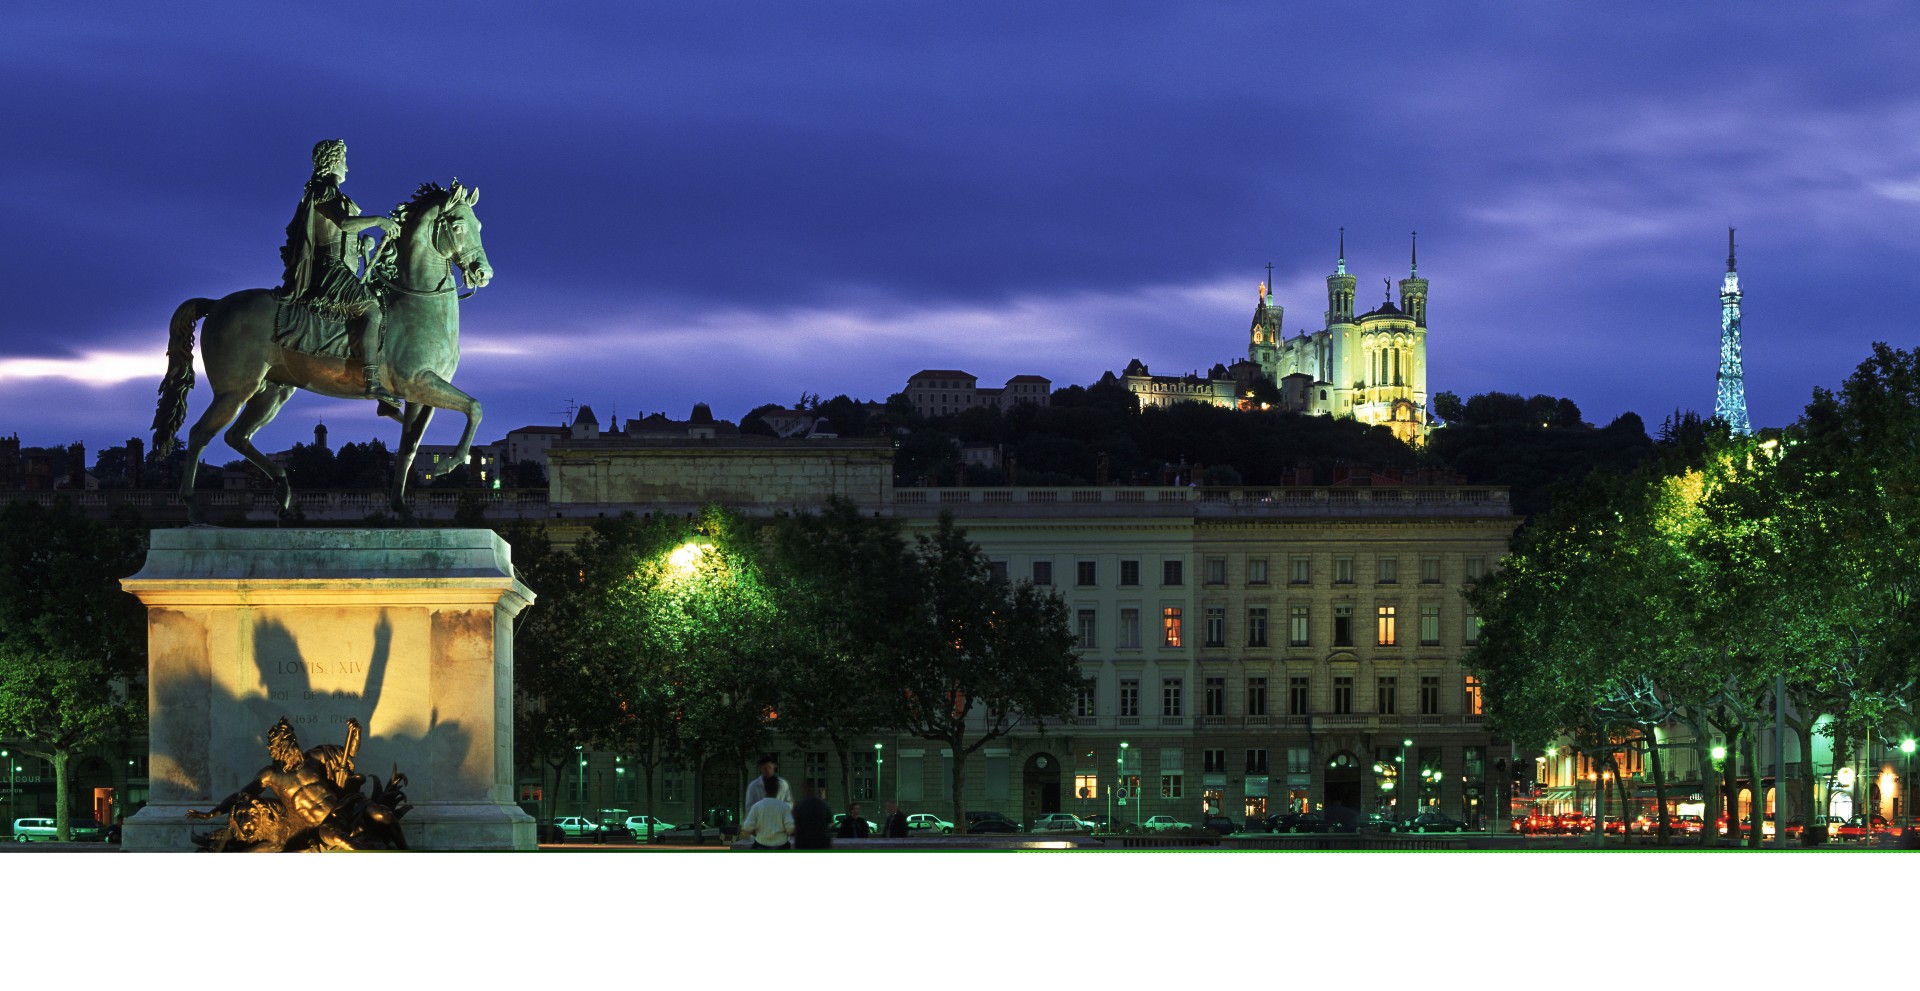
[
  {"x": 843, "y": 587},
  {"x": 978, "y": 656},
  {"x": 72, "y": 643}
]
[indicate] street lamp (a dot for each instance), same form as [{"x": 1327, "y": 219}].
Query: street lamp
[
  {"x": 582, "y": 778},
  {"x": 1906, "y": 793},
  {"x": 877, "y": 761},
  {"x": 1140, "y": 801}
]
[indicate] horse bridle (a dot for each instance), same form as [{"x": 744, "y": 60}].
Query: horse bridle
[{"x": 440, "y": 224}]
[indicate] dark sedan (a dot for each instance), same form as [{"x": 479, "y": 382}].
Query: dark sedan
[
  {"x": 1432, "y": 822},
  {"x": 1220, "y": 824}
]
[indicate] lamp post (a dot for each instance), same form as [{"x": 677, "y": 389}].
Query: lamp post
[
  {"x": 7, "y": 755},
  {"x": 1412, "y": 807},
  {"x": 1906, "y": 793},
  {"x": 1139, "y": 801},
  {"x": 1724, "y": 806},
  {"x": 877, "y": 761},
  {"x": 581, "y": 778}
]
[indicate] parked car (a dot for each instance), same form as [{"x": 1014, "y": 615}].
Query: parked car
[
  {"x": 1432, "y": 822},
  {"x": 1102, "y": 823},
  {"x": 1220, "y": 824},
  {"x": 991, "y": 822},
  {"x": 1538, "y": 823},
  {"x": 42, "y": 830},
  {"x": 578, "y": 826},
  {"x": 1161, "y": 824},
  {"x": 1858, "y": 828},
  {"x": 927, "y": 823},
  {"x": 1060, "y": 822},
  {"x": 637, "y": 827},
  {"x": 1289, "y": 822}
]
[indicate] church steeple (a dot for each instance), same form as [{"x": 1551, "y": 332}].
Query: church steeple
[
  {"x": 1413, "y": 288},
  {"x": 1730, "y": 393},
  {"x": 1340, "y": 288}
]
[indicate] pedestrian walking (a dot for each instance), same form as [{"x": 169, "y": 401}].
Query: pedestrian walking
[
  {"x": 895, "y": 827},
  {"x": 769, "y": 824}
]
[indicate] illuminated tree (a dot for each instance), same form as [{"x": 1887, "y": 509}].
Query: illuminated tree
[{"x": 72, "y": 643}]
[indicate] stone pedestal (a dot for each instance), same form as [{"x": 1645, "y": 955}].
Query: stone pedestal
[{"x": 410, "y": 631}]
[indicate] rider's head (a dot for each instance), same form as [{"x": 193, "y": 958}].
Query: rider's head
[{"x": 330, "y": 158}]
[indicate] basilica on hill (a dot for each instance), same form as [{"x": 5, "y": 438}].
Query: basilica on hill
[{"x": 1371, "y": 367}]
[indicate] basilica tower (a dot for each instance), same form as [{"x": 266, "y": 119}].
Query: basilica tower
[
  {"x": 1730, "y": 399},
  {"x": 1342, "y": 340}
]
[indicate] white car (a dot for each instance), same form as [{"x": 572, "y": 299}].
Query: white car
[
  {"x": 637, "y": 826},
  {"x": 1061, "y": 822},
  {"x": 1155, "y": 824},
  {"x": 924, "y": 823},
  {"x": 578, "y": 826}
]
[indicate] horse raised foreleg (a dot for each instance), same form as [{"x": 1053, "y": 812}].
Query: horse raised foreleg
[
  {"x": 223, "y": 408},
  {"x": 260, "y": 410},
  {"x": 429, "y": 389},
  {"x": 413, "y": 426}
]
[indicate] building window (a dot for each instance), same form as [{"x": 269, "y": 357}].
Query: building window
[
  {"x": 998, "y": 569},
  {"x": 1085, "y": 573},
  {"x": 1256, "y": 571},
  {"x": 1430, "y": 626},
  {"x": 1343, "y": 626},
  {"x": 1256, "y": 696},
  {"x": 816, "y": 770},
  {"x": 1302, "y": 566},
  {"x": 1130, "y": 697},
  {"x": 1216, "y": 571},
  {"x": 1343, "y": 571},
  {"x": 1130, "y": 629},
  {"x": 1043, "y": 572},
  {"x": 1256, "y": 762},
  {"x": 1214, "y": 761},
  {"x": 1474, "y": 708},
  {"x": 1170, "y": 626},
  {"x": 1386, "y": 627},
  {"x": 1297, "y": 695},
  {"x": 1343, "y": 695},
  {"x": 1170, "y": 573},
  {"x": 1172, "y": 786},
  {"x": 1299, "y": 760},
  {"x": 1297, "y": 617},
  {"x": 1429, "y": 694},
  {"x": 1476, "y": 566},
  {"x": 1086, "y": 785},
  {"x": 1089, "y": 624},
  {"x": 1386, "y": 694},
  {"x": 1170, "y": 697},
  {"x": 1217, "y": 696},
  {"x": 1257, "y": 626},
  {"x": 1216, "y": 626},
  {"x": 1472, "y": 629},
  {"x": 1389, "y": 570},
  {"x": 1430, "y": 569},
  {"x": 1129, "y": 572},
  {"x": 1083, "y": 703},
  {"x": 673, "y": 784}
]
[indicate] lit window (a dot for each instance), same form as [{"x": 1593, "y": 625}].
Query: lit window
[
  {"x": 1386, "y": 627},
  {"x": 1170, "y": 626},
  {"x": 1473, "y": 700},
  {"x": 1086, "y": 785}
]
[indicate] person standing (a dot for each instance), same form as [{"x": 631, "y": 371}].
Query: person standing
[
  {"x": 854, "y": 826},
  {"x": 767, "y": 784},
  {"x": 895, "y": 827},
  {"x": 769, "y": 824},
  {"x": 812, "y": 821}
]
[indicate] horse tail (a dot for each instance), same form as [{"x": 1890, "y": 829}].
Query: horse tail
[{"x": 172, "y": 411}]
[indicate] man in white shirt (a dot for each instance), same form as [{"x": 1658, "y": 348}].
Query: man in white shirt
[
  {"x": 768, "y": 823},
  {"x": 760, "y": 788}
]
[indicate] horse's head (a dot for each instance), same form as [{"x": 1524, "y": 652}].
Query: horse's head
[{"x": 456, "y": 235}]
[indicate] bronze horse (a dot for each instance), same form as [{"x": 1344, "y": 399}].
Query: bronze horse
[{"x": 253, "y": 375}]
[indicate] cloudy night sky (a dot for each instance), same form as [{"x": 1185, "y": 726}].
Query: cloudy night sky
[{"x": 740, "y": 202}]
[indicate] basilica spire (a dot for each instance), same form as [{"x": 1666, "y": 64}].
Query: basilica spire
[
  {"x": 1340, "y": 288},
  {"x": 1730, "y": 398},
  {"x": 1340, "y": 267}
]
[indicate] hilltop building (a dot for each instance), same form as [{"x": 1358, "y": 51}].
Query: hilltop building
[
  {"x": 946, "y": 391},
  {"x": 1371, "y": 366}
]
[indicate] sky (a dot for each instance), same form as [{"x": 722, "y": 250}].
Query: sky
[{"x": 740, "y": 202}]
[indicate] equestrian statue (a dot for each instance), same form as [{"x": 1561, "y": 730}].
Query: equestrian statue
[{"x": 349, "y": 321}]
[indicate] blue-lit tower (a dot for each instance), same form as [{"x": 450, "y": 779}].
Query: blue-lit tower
[{"x": 1730, "y": 400}]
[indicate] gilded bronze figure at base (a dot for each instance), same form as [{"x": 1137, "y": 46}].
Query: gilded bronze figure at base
[{"x": 310, "y": 800}]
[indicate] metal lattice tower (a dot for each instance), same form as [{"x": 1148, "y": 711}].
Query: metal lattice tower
[{"x": 1730, "y": 400}]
